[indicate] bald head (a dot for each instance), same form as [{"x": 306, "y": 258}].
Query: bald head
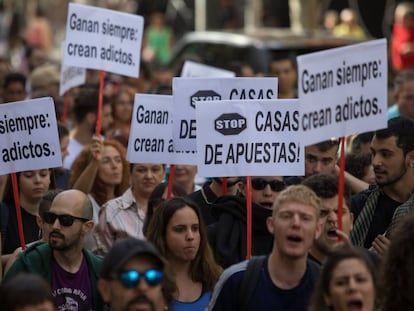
[{"x": 74, "y": 201}]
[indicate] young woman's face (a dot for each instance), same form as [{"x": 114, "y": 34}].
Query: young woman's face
[
  {"x": 183, "y": 235},
  {"x": 351, "y": 287},
  {"x": 110, "y": 166},
  {"x": 33, "y": 184}
]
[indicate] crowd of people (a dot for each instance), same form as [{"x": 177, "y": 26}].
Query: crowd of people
[{"x": 104, "y": 234}]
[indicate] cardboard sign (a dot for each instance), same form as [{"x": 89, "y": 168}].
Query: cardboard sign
[
  {"x": 194, "y": 70},
  {"x": 29, "y": 136},
  {"x": 253, "y": 138},
  {"x": 150, "y": 139},
  {"x": 343, "y": 91},
  {"x": 188, "y": 91},
  {"x": 71, "y": 77},
  {"x": 103, "y": 39}
]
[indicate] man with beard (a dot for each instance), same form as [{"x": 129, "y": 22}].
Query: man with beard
[
  {"x": 71, "y": 270},
  {"x": 393, "y": 160},
  {"x": 134, "y": 276},
  {"x": 284, "y": 279},
  {"x": 326, "y": 188},
  {"x": 210, "y": 192}
]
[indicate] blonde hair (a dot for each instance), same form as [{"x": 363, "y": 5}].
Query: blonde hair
[{"x": 300, "y": 194}]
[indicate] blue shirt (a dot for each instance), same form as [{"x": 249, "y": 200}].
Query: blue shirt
[{"x": 200, "y": 304}]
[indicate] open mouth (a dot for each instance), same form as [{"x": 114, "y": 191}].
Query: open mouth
[
  {"x": 294, "y": 238},
  {"x": 332, "y": 234},
  {"x": 354, "y": 305},
  {"x": 267, "y": 205}
]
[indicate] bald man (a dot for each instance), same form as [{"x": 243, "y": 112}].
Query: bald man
[{"x": 71, "y": 270}]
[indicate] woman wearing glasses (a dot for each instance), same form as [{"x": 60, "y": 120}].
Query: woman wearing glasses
[
  {"x": 178, "y": 232},
  {"x": 228, "y": 235},
  {"x": 101, "y": 171}
]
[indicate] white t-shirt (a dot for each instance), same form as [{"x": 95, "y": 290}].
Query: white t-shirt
[{"x": 74, "y": 148}]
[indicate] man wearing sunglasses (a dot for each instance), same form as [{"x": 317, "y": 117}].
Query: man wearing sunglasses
[
  {"x": 71, "y": 270},
  {"x": 133, "y": 277},
  {"x": 227, "y": 236}
]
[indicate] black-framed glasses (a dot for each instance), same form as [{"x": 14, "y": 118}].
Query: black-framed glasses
[
  {"x": 131, "y": 278},
  {"x": 65, "y": 219},
  {"x": 275, "y": 185}
]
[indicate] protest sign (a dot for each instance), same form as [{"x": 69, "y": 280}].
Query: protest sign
[
  {"x": 71, "y": 77},
  {"x": 103, "y": 39},
  {"x": 150, "y": 139},
  {"x": 249, "y": 138},
  {"x": 28, "y": 132},
  {"x": 343, "y": 91},
  {"x": 188, "y": 91},
  {"x": 194, "y": 70}
]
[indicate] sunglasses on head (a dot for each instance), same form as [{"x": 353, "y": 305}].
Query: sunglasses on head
[
  {"x": 275, "y": 185},
  {"x": 131, "y": 278},
  {"x": 65, "y": 219}
]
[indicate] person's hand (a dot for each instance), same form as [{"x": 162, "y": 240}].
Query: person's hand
[
  {"x": 96, "y": 148},
  {"x": 381, "y": 245}
]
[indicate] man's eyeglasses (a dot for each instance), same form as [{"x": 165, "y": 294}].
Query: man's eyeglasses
[
  {"x": 65, "y": 219},
  {"x": 131, "y": 278},
  {"x": 275, "y": 185}
]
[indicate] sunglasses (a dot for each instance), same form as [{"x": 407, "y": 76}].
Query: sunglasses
[
  {"x": 65, "y": 220},
  {"x": 275, "y": 185},
  {"x": 131, "y": 278}
]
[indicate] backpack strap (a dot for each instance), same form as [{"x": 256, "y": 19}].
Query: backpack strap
[{"x": 249, "y": 281}]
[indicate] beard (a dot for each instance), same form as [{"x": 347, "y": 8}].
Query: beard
[
  {"x": 393, "y": 180},
  {"x": 62, "y": 244},
  {"x": 139, "y": 299}
]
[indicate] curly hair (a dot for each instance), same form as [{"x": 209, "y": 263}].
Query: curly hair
[
  {"x": 397, "y": 277},
  {"x": 98, "y": 189},
  {"x": 203, "y": 268}
]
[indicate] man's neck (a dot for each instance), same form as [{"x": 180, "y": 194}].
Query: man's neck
[
  {"x": 401, "y": 190},
  {"x": 317, "y": 254},
  {"x": 69, "y": 260},
  {"x": 285, "y": 272},
  {"x": 82, "y": 134}
]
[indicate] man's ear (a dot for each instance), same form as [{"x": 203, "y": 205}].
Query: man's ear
[
  {"x": 87, "y": 226},
  {"x": 410, "y": 159},
  {"x": 269, "y": 225},
  {"x": 103, "y": 288}
]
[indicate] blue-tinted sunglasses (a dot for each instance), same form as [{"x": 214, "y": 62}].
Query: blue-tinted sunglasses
[{"x": 131, "y": 278}]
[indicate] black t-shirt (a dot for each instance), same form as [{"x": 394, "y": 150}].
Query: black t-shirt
[
  {"x": 382, "y": 216},
  {"x": 30, "y": 227}
]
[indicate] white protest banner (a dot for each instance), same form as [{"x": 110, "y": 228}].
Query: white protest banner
[
  {"x": 343, "y": 91},
  {"x": 29, "y": 136},
  {"x": 150, "y": 139},
  {"x": 253, "y": 138},
  {"x": 103, "y": 39},
  {"x": 187, "y": 91},
  {"x": 194, "y": 70},
  {"x": 70, "y": 76}
]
